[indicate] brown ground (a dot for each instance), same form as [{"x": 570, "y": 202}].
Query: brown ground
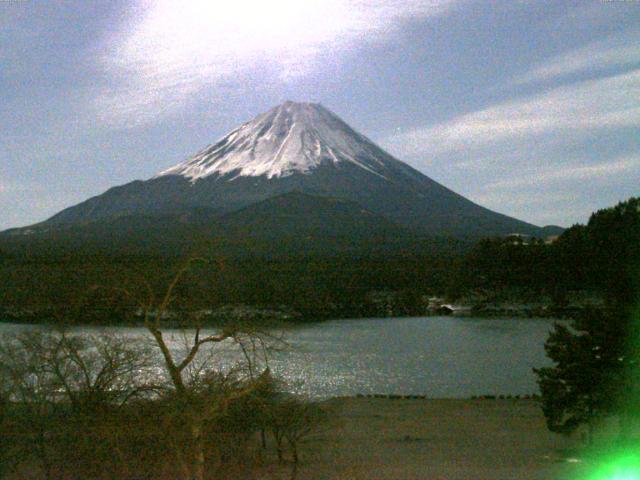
[{"x": 435, "y": 440}]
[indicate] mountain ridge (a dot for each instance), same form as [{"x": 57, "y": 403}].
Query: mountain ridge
[{"x": 298, "y": 147}]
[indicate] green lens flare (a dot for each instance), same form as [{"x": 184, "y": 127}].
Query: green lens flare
[{"x": 625, "y": 466}]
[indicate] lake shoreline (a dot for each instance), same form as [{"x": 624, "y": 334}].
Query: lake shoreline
[{"x": 35, "y": 318}]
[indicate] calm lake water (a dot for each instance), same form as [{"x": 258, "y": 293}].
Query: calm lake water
[{"x": 441, "y": 357}]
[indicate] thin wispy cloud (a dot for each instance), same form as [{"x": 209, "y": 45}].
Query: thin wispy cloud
[
  {"x": 169, "y": 50},
  {"x": 579, "y": 109},
  {"x": 557, "y": 144},
  {"x": 615, "y": 52},
  {"x": 525, "y": 200},
  {"x": 9, "y": 186},
  {"x": 544, "y": 208},
  {"x": 541, "y": 192},
  {"x": 545, "y": 176}
]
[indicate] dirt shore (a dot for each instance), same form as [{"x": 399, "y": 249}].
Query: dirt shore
[{"x": 436, "y": 440}]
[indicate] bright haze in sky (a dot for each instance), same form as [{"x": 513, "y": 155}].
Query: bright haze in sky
[{"x": 528, "y": 108}]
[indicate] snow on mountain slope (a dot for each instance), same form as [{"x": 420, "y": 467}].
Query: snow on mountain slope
[{"x": 292, "y": 137}]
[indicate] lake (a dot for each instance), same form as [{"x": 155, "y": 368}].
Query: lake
[{"x": 440, "y": 357}]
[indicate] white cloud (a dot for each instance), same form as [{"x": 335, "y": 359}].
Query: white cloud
[
  {"x": 561, "y": 195},
  {"x": 171, "y": 50},
  {"x": 618, "y": 51},
  {"x": 540, "y": 157},
  {"x": 9, "y": 187},
  {"x": 605, "y": 170},
  {"x": 518, "y": 200},
  {"x": 540, "y": 208},
  {"x": 577, "y": 109}
]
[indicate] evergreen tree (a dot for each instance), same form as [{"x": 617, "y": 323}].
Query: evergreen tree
[
  {"x": 590, "y": 368},
  {"x": 596, "y": 372}
]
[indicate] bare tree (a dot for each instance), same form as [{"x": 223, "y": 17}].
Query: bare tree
[
  {"x": 74, "y": 393},
  {"x": 60, "y": 384},
  {"x": 100, "y": 371},
  {"x": 4, "y": 413},
  {"x": 189, "y": 369},
  {"x": 292, "y": 420},
  {"x": 31, "y": 388}
]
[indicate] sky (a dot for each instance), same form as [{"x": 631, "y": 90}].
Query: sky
[{"x": 531, "y": 109}]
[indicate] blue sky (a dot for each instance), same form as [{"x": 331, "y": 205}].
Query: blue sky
[{"x": 529, "y": 108}]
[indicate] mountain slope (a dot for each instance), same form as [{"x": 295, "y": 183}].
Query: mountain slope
[
  {"x": 286, "y": 224},
  {"x": 298, "y": 147},
  {"x": 299, "y": 214}
]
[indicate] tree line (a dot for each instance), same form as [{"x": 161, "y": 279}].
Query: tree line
[{"x": 367, "y": 280}]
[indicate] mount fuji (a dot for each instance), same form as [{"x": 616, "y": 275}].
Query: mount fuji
[{"x": 296, "y": 160}]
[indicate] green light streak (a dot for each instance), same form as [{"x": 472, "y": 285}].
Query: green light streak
[{"x": 624, "y": 466}]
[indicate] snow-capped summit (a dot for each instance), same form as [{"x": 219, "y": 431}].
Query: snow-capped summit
[{"x": 292, "y": 137}]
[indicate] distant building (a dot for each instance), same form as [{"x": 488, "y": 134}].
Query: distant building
[
  {"x": 518, "y": 239},
  {"x": 448, "y": 309}
]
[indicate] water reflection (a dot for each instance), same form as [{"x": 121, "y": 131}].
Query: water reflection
[{"x": 433, "y": 356}]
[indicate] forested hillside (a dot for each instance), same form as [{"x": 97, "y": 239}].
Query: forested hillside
[{"x": 311, "y": 281}]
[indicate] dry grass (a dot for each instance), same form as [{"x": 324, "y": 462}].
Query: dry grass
[
  {"x": 435, "y": 439},
  {"x": 384, "y": 439}
]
